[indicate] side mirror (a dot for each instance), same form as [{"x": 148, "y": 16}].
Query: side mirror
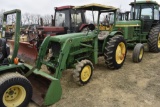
[{"x": 91, "y": 27}]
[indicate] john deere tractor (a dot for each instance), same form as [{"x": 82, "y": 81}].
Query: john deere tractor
[
  {"x": 78, "y": 51},
  {"x": 142, "y": 28},
  {"x": 15, "y": 89}
]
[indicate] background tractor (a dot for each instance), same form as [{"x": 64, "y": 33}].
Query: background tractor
[
  {"x": 143, "y": 27},
  {"x": 78, "y": 51},
  {"x": 111, "y": 45}
]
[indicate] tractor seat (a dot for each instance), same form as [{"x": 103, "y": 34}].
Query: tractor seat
[{"x": 4, "y": 50}]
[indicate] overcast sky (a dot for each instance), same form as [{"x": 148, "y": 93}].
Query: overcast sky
[{"x": 47, "y": 6}]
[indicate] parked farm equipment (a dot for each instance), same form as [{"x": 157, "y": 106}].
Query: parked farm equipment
[
  {"x": 76, "y": 50},
  {"x": 66, "y": 20},
  {"x": 143, "y": 27},
  {"x": 16, "y": 90}
]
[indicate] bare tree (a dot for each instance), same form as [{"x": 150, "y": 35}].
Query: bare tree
[
  {"x": 1, "y": 15},
  {"x": 47, "y": 19},
  {"x": 26, "y": 18},
  {"x": 38, "y": 19},
  {"x": 11, "y": 18}
]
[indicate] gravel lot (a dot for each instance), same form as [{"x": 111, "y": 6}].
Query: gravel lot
[{"x": 133, "y": 85}]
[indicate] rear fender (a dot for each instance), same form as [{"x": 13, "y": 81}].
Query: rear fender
[{"x": 113, "y": 33}]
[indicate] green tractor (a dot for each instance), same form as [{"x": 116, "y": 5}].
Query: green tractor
[
  {"x": 16, "y": 89},
  {"x": 78, "y": 51},
  {"x": 142, "y": 28}
]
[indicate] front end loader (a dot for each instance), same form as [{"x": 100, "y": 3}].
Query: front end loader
[{"x": 77, "y": 51}]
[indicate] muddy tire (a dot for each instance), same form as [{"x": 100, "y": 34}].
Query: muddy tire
[
  {"x": 16, "y": 90},
  {"x": 154, "y": 39},
  {"x": 115, "y": 52},
  {"x": 83, "y": 72},
  {"x": 138, "y": 53}
]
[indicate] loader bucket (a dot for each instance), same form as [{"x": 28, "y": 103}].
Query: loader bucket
[
  {"x": 45, "y": 91},
  {"x": 54, "y": 93},
  {"x": 27, "y": 52}
]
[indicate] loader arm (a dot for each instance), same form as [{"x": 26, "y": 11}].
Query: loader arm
[
  {"x": 55, "y": 87},
  {"x": 64, "y": 52},
  {"x": 54, "y": 91},
  {"x": 61, "y": 61}
]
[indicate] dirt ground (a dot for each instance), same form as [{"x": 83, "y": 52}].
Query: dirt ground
[{"x": 134, "y": 85}]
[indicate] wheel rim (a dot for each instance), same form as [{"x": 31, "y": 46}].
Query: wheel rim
[
  {"x": 141, "y": 54},
  {"x": 159, "y": 40},
  {"x": 120, "y": 52},
  {"x": 14, "y": 96},
  {"x": 86, "y": 73}
]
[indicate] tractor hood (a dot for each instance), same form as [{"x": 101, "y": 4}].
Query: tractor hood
[
  {"x": 51, "y": 29},
  {"x": 63, "y": 38},
  {"x": 44, "y": 30},
  {"x": 128, "y": 23}
]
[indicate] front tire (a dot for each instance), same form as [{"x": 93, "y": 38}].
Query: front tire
[
  {"x": 154, "y": 39},
  {"x": 138, "y": 53},
  {"x": 16, "y": 90},
  {"x": 83, "y": 72},
  {"x": 115, "y": 52}
]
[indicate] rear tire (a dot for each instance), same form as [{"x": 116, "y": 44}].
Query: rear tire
[
  {"x": 154, "y": 39},
  {"x": 83, "y": 72},
  {"x": 138, "y": 53},
  {"x": 16, "y": 90},
  {"x": 115, "y": 52}
]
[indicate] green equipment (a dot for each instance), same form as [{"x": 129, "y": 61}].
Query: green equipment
[
  {"x": 142, "y": 28},
  {"x": 111, "y": 44},
  {"x": 78, "y": 51},
  {"x": 16, "y": 89}
]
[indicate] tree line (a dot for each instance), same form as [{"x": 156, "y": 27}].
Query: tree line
[{"x": 27, "y": 18}]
